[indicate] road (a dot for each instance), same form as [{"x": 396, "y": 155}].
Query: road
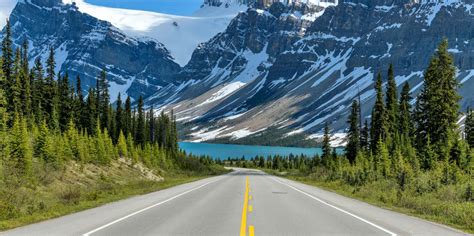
[{"x": 244, "y": 202}]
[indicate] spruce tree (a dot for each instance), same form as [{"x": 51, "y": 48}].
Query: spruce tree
[
  {"x": 80, "y": 107},
  {"x": 38, "y": 89},
  {"x": 104, "y": 100},
  {"x": 405, "y": 124},
  {"x": 438, "y": 104},
  {"x": 469, "y": 128},
  {"x": 326, "y": 148},
  {"x": 151, "y": 125},
  {"x": 378, "y": 124},
  {"x": 50, "y": 88},
  {"x": 140, "y": 129},
  {"x": 7, "y": 56},
  {"x": 91, "y": 119},
  {"x": 3, "y": 104},
  {"x": 365, "y": 137},
  {"x": 65, "y": 102},
  {"x": 127, "y": 117},
  {"x": 119, "y": 115},
  {"x": 391, "y": 111},
  {"x": 21, "y": 152},
  {"x": 15, "y": 100},
  {"x": 353, "y": 135}
]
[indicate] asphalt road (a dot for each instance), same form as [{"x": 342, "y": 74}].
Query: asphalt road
[{"x": 244, "y": 202}]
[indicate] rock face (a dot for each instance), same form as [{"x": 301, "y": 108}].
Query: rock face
[
  {"x": 277, "y": 68},
  {"x": 85, "y": 45}
]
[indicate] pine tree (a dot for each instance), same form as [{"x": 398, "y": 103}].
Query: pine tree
[
  {"x": 119, "y": 115},
  {"x": 378, "y": 124},
  {"x": 151, "y": 125},
  {"x": 127, "y": 117},
  {"x": 353, "y": 135},
  {"x": 25, "y": 81},
  {"x": 469, "y": 128},
  {"x": 391, "y": 111},
  {"x": 405, "y": 124},
  {"x": 21, "y": 151},
  {"x": 80, "y": 107},
  {"x": 38, "y": 91},
  {"x": 140, "y": 130},
  {"x": 50, "y": 89},
  {"x": 65, "y": 102},
  {"x": 15, "y": 100},
  {"x": 91, "y": 109},
  {"x": 104, "y": 100},
  {"x": 3, "y": 105},
  {"x": 326, "y": 148},
  {"x": 437, "y": 106},
  {"x": 7, "y": 56},
  {"x": 365, "y": 137},
  {"x": 122, "y": 145}
]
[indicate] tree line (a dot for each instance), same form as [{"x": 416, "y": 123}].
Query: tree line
[
  {"x": 416, "y": 145},
  {"x": 43, "y": 116}
]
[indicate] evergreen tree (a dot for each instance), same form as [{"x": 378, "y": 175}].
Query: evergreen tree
[
  {"x": 104, "y": 100},
  {"x": 151, "y": 125},
  {"x": 7, "y": 56},
  {"x": 3, "y": 107},
  {"x": 21, "y": 152},
  {"x": 25, "y": 81},
  {"x": 122, "y": 145},
  {"x": 469, "y": 128},
  {"x": 50, "y": 89},
  {"x": 405, "y": 124},
  {"x": 38, "y": 90},
  {"x": 353, "y": 135},
  {"x": 365, "y": 137},
  {"x": 437, "y": 106},
  {"x": 140, "y": 129},
  {"x": 15, "y": 100},
  {"x": 119, "y": 115},
  {"x": 378, "y": 124},
  {"x": 391, "y": 111},
  {"x": 127, "y": 119},
  {"x": 326, "y": 148},
  {"x": 80, "y": 107},
  {"x": 65, "y": 101},
  {"x": 91, "y": 109}
]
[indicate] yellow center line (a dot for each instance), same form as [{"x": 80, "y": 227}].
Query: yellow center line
[
  {"x": 251, "y": 230},
  {"x": 243, "y": 225},
  {"x": 250, "y": 208},
  {"x": 250, "y": 197}
]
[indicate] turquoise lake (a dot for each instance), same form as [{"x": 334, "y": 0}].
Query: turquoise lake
[{"x": 223, "y": 151}]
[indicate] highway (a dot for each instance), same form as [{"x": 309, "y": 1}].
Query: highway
[{"x": 244, "y": 202}]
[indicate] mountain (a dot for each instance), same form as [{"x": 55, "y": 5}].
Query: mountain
[
  {"x": 85, "y": 45},
  {"x": 180, "y": 34},
  {"x": 263, "y": 70},
  {"x": 277, "y": 71}
]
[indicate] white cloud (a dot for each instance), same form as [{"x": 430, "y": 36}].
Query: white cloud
[{"x": 6, "y": 7}]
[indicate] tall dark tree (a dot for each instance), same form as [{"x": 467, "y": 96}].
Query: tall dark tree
[
  {"x": 127, "y": 120},
  {"x": 50, "y": 88},
  {"x": 65, "y": 101},
  {"x": 7, "y": 55},
  {"x": 119, "y": 116},
  {"x": 151, "y": 125},
  {"x": 391, "y": 110},
  {"x": 405, "y": 124},
  {"x": 469, "y": 127},
  {"x": 38, "y": 90},
  {"x": 3, "y": 105},
  {"x": 15, "y": 101},
  {"x": 438, "y": 104},
  {"x": 91, "y": 112},
  {"x": 26, "y": 97},
  {"x": 104, "y": 100},
  {"x": 326, "y": 148},
  {"x": 378, "y": 124},
  {"x": 353, "y": 134},
  {"x": 365, "y": 137},
  {"x": 140, "y": 136},
  {"x": 80, "y": 105}
]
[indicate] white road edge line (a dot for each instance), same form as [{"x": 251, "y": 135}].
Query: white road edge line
[
  {"x": 147, "y": 208},
  {"x": 337, "y": 208}
]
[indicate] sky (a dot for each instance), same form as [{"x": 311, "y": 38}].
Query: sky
[{"x": 175, "y": 7}]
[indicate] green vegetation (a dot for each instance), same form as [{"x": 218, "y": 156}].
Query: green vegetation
[
  {"x": 414, "y": 160},
  {"x": 61, "y": 152}
]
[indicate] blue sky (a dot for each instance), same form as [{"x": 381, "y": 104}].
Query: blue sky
[{"x": 176, "y": 7}]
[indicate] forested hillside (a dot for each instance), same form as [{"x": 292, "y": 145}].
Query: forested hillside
[
  {"x": 61, "y": 152},
  {"x": 410, "y": 157}
]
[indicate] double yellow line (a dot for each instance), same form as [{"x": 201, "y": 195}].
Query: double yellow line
[{"x": 243, "y": 225}]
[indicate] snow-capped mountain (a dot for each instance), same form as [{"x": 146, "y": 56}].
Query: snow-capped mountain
[
  {"x": 85, "y": 45},
  {"x": 180, "y": 34},
  {"x": 285, "y": 67},
  {"x": 275, "y": 69}
]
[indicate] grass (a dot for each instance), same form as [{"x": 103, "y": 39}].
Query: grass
[
  {"x": 441, "y": 206},
  {"x": 61, "y": 194}
]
